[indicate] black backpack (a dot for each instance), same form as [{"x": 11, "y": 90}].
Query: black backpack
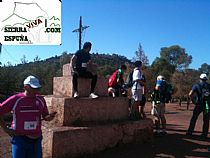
[
  {"x": 202, "y": 94},
  {"x": 166, "y": 91},
  {"x": 129, "y": 82}
]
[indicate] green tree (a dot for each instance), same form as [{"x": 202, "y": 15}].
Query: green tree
[
  {"x": 140, "y": 55},
  {"x": 161, "y": 66},
  {"x": 183, "y": 82},
  {"x": 23, "y": 60},
  {"x": 205, "y": 68},
  {"x": 37, "y": 58},
  {"x": 176, "y": 56}
]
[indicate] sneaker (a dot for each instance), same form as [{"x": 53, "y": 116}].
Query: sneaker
[
  {"x": 76, "y": 95},
  {"x": 93, "y": 96},
  {"x": 157, "y": 132},
  {"x": 163, "y": 132},
  {"x": 188, "y": 134},
  {"x": 113, "y": 94},
  {"x": 203, "y": 136}
]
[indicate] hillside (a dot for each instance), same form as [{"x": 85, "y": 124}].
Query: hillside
[{"x": 11, "y": 77}]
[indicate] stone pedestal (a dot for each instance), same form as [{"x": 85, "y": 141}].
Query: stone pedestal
[
  {"x": 84, "y": 125},
  {"x": 62, "y": 86},
  {"x": 77, "y": 141},
  {"x": 87, "y": 111}
]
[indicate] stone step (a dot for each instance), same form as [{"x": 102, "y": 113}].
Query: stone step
[
  {"x": 62, "y": 86},
  {"x": 60, "y": 142},
  {"x": 87, "y": 111},
  {"x": 66, "y": 70}
]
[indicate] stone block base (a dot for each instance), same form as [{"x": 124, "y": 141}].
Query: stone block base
[
  {"x": 62, "y": 86},
  {"x": 85, "y": 111},
  {"x": 61, "y": 142}
]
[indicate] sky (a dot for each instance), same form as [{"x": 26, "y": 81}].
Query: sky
[{"x": 118, "y": 26}]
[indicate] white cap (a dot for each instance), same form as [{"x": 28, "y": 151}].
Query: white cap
[
  {"x": 203, "y": 77},
  {"x": 32, "y": 81},
  {"x": 160, "y": 77}
]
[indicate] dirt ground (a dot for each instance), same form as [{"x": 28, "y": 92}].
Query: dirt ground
[{"x": 174, "y": 145}]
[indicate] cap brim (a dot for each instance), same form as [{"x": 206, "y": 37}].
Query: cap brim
[{"x": 35, "y": 86}]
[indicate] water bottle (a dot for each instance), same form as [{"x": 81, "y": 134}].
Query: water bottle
[{"x": 207, "y": 108}]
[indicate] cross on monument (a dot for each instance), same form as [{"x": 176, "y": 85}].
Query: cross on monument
[{"x": 80, "y": 30}]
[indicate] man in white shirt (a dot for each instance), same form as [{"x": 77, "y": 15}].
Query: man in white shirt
[{"x": 137, "y": 89}]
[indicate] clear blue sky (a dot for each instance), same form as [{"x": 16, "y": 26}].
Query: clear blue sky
[{"x": 118, "y": 26}]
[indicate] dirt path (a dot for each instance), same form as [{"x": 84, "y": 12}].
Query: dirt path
[{"x": 173, "y": 145}]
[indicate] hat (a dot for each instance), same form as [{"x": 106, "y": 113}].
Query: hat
[
  {"x": 137, "y": 63},
  {"x": 160, "y": 77},
  {"x": 203, "y": 77},
  {"x": 32, "y": 81}
]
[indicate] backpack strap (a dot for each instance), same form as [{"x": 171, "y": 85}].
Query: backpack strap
[{"x": 135, "y": 81}]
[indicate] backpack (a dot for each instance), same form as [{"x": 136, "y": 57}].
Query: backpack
[
  {"x": 129, "y": 82},
  {"x": 113, "y": 79},
  {"x": 155, "y": 96},
  {"x": 203, "y": 94},
  {"x": 166, "y": 91}
]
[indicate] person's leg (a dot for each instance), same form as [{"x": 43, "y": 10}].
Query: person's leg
[
  {"x": 111, "y": 91},
  {"x": 18, "y": 147},
  {"x": 197, "y": 110},
  {"x": 142, "y": 112},
  {"x": 162, "y": 116},
  {"x": 142, "y": 104},
  {"x": 157, "y": 114},
  {"x": 93, "y": 83},
  {"x": 163, "y": 122},
  {"x": 88, "y": 74},
  {"x": 75, "y": 82},
  {"x": 36, "y": 148},
  {"x": 157, "y": 122},
  {"x": 205, "y": 124},
  {"x": 117, "y": 91}
]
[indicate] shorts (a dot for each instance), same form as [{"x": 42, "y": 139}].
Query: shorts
[
  {"x": 158, "y": 109},
  {"x": 137, "y": 94},
  {"x": 24, "y": 147},
  {"x": 143, "y": 101}
]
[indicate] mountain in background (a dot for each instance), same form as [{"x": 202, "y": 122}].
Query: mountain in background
[{"x": 11, "y": 77}]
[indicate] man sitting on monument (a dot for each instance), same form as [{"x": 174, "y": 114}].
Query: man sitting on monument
[{"x": 81, "y": 66}]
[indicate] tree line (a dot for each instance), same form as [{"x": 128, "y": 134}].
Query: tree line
[{"x": 172, "y": 63}]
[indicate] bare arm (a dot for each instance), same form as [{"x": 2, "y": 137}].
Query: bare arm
[
  {"x": 5, "y": 128},
  {"x": 50, "y": 117},
  {"x": 73, "y": 62},
  {"x": 190, "y": 93},
  {"x": 141, "y": 82}
]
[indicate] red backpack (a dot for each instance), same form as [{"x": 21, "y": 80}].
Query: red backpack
[{"x": 113, "y": 79}]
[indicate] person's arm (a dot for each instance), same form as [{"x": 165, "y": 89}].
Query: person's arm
[
  {"x": 50, "y": 117},
  {"x": 194, "y": 89},
  {"x": 190, "y": 93},
  {"x": 73, "y": 63},
  {"x": 5, "y": 128},
  {"x": 45, "y": 113},
  {"x": 5, "y": 108},
  {"x": 140, "y": 79}
]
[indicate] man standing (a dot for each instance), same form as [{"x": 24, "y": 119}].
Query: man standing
[
  {"x": 137, "y": 90},
  {"x": 200, "y": 95},
  {"x": 81, "y": 66},
  {"x": 158, "y": 105},
  {"x": 28, "y": 109}
]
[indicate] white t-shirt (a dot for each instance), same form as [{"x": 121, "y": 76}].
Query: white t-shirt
[{"x": 136, "y": 76}]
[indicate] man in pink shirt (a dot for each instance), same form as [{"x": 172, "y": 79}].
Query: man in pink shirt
[{"x": 28, "y": 109}]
